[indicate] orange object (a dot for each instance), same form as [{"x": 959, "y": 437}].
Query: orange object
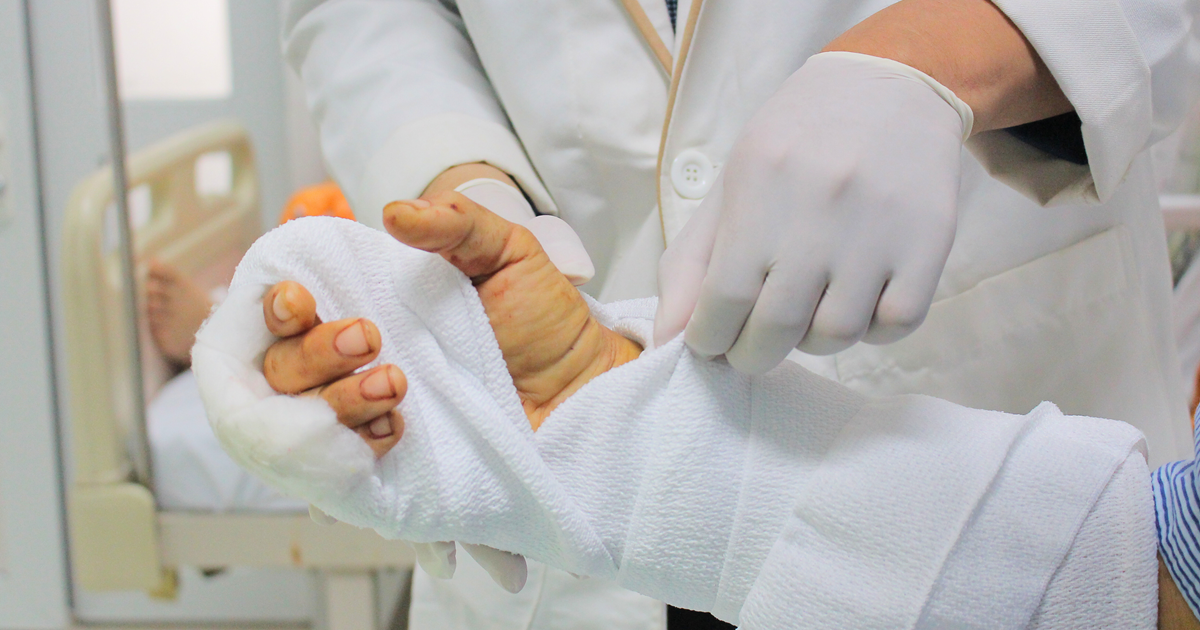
[{"x": 321, "y": 200}]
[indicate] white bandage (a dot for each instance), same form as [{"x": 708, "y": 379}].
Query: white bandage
[{"x": 788, "y": 494}]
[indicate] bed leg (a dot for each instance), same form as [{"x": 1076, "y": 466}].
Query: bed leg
[{"x": 349, "y": 600}]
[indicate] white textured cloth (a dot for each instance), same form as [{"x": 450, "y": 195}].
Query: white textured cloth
[
  {"x": 191, "y": 470},
  {"x": 777, "y": 501}
]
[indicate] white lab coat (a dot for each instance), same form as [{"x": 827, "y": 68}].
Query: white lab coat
[{"x": 1069, "y": 303}]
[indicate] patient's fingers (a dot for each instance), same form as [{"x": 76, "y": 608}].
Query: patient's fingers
[
  {"x": 366, "y": 402},
  {"x": 360, "y": 398},
  {"x": 289, "y": 309},
  {"x": 382, "y": 433},
  {"x": 474, "y": 239},
  {"x": 321, "y": 355}
]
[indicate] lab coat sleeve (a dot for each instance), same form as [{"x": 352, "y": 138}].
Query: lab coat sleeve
[
  {"x": 399, "y": 95},
  {"x": 1129, "y": 67}
]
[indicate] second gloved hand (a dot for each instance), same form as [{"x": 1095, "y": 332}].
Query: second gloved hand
[{"x": 831, "y": 222}]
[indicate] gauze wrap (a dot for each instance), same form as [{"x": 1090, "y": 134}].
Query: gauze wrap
[{"x": 784, "y": 500}]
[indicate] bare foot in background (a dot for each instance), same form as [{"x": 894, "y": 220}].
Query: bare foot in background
[{"x": 175, "y": 308}]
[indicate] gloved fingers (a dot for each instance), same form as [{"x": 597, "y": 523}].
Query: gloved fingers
[
  {"x": 509, "y": 570},
  {"x": 730, "y": 289},
  {"x": 902, "y": 307},
  {"x": 319, "y": 517},
  {"x": 289, "y": 309},
  {"x": 321, "y": 355},
  {"x": 437, "y": 558},
  {"x": 843, "y": 314},
  {"x": 564, "y": 248},
  {"x": 682, "y": 268},
  {"x": 778, "y": 322},
  {"x": 721, "y": 312}
]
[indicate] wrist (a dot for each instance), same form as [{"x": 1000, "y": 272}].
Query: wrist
[
  {"x": 455, "y": 176},
  {"x": 611, "y": 351},
  {"x": 873, "y": 66},
  {"x": 970, "y": 47}
]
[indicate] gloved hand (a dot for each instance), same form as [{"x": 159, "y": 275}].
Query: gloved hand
[{"x": 831, "y": 222}]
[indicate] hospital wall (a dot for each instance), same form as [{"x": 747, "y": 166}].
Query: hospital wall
[{"x": 33, "y": 584}]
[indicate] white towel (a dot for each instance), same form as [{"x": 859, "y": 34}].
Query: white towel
[{"x": 680, "y": 478}]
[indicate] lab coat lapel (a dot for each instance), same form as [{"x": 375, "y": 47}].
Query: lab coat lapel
[
  {"x": 685, "y": 45},
  {"x": 645, "y": 27}
]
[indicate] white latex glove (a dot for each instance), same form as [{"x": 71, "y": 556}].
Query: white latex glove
[
  {"x": 831, "y": 222},
  {"x": 439, "y": 560},
  {"x": 561, "y": 243}
]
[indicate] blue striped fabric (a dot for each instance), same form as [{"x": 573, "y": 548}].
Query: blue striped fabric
[
  {"x": 672, "y": 9},
  {"x": 1177, "y": 513}
]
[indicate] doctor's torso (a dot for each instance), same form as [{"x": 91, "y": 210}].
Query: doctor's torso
[{"x": 1080, "y": 286}]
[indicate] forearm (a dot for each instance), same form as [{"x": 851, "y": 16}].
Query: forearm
[{"x": 972, "y": 48}]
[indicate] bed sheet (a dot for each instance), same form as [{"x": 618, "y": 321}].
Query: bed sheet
[{"x": 191, "y": 471}]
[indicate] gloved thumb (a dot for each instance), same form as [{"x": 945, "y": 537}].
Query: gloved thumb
[
  {"x": 507, "y": 569},
  {"x": 437, "y": 558},
  {"x": 683, "y": 266}
]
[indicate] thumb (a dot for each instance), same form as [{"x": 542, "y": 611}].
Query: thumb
[
  {"x": 476, "y": 240},
  {"x": 682, "y": 268}
]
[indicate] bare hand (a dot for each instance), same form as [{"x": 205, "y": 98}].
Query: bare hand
[{"x": 549, "y": 340}]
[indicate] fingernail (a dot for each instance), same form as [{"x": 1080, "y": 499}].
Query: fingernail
[
  {"x": 415, "y": 203},
  {"x": 380, "y": 427},
  {"x": 352, "y": 342},
  {"x": 378, "y": 386},
  {"x": 279, "y": 306}
]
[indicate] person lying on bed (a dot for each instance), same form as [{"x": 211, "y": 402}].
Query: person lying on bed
[{"x": 772, "y": 521}]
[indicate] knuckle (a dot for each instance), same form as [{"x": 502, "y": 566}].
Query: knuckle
[
  {"x": 449, "y": 198},
  {"x": 837, "y": 330},
  {"x": 900, "y": 314},
  {"x": 735, "y": 295},
  {"x": 275, "y": 369}
]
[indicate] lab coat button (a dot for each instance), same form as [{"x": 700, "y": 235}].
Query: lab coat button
[{"x": 692, "y": 174}]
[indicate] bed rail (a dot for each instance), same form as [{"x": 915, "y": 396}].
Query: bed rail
[{"x": 193, "y": 203}]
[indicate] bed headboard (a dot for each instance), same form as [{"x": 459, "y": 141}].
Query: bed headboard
[{"x": 193, "y": 203}]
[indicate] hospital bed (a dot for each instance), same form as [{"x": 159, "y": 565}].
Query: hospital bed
[{"x": 193, "y": 204}]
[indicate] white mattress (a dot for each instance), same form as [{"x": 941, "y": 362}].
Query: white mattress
[{"x": 191, "y": 471}]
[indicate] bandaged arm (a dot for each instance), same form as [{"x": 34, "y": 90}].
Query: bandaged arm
[{"x": 779, "y": 499}]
